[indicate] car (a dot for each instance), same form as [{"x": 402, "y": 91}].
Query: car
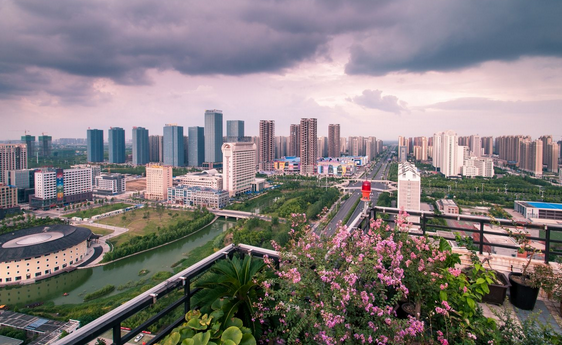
[{"x": 139, "y": 337}]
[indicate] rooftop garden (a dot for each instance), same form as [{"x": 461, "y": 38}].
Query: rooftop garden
[{"x": 378, "y": 286}]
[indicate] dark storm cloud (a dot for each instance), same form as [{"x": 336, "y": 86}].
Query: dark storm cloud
[
  {"x": 373, "y": 99},
  {"x": 122, "y": 40},
  {"x": 450, "y": 35}
]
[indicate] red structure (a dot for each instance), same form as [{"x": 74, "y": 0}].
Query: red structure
[{"x": 366, "y": 191}]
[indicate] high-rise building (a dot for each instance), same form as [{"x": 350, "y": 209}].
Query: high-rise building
[
  {"x": 213, "y": 135},
  {"x": 334, "y": 140},
  {"x": 29, "y": 140},
  {"x": 8, "y": 197},
  {"x": 45, "y": 144},
  {"x": 116, "y": 145},
  {"x": 158, "y": 179},
  {"x": 409, "y": 187},
  {"x": 234, "y": 130},
  {"x": 308, "y": 146},
  {"x": 61, "y": 186},
  {"x": 475, "y": 146},
  {"x": 12, "y": 157},
  {"x": 173, "y": 145},
  {"x": 196, "y": 146},
  {"x": 156, "y": 148},
  {"x": 94, "y": 141},
  {"x": 294, "y": 141},
  {"x": 96, "y": 170},
  {"x": 281, "y": 147},
  {"x": 186, "y": 149},
  {"x": 448, "y": 158},
  {"x": 508, "y": 147},
  {"x": 322, "y": 146},
  {"x": 530, "y": 156},
  {"x": 552, "y": 157},
  {"x": 141, "y": 151},
  {"x": 239, "y": 169},
  {"x": 267, "y": 145},
  {"x": 371, "y": 150},
  {"x": 487, "y": 146}
]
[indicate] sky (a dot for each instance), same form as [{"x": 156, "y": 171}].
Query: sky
[{"x": 378, "y": 68}]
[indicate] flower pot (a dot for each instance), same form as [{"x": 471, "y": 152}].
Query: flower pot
[
  {"x": 497, "y": 291},
  {"x": 404, "y": 309},
  {"x": 522, "y": 296}
]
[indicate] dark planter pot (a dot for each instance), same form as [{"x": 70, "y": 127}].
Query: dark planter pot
[
  {"x": 497, "y": 291},
  {"x": 404, "y": 309},
  {"x": 522, "y": 296}
]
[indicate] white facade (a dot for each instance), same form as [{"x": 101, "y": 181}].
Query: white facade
[
  {"x": 111, "y": 184},
  {"x": 76, "y": 181},
  {"x": 96, "y": 170},
  {"x": 409, "y": 187},
  {"x": 207, "y": 178},
  {"x": 199, "y": 196},
  {"x": 447, "y": 156},
  {"x": 158, "y": 179},
  {"x": 239, "y": 169}
]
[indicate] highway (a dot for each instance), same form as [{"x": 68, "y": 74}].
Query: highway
[{"x": 348, "y": 204}]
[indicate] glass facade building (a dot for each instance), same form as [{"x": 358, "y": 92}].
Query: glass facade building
[
  {"x": 213, "y": 136},
  {"x": 116, "y": 145},
  {"x": 196, "y": 146},
  {"x": 173, "y": 146},
  {"x": 95, "y": 145},
  {"x": 140, "y": 146}
]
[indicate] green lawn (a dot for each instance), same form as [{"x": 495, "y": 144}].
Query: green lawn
[
  {"x": 140, "y": 223},
  {"x": 98, "y": 231},
  {"x": 98, "y": 210}
]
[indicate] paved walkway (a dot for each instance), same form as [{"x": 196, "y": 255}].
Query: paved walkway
[{"x": 102, "y": 242}]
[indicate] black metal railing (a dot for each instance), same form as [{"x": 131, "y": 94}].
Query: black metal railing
[
  {"x": 181, "y": 281},
  {"x": 551, "y": 234}
]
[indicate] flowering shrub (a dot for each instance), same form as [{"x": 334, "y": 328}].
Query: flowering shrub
[{"x": 346, "y": 289}]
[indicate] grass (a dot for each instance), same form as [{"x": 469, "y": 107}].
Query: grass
[
  {"x": 98, "y": 210},
  {"x": 98, "y": 231},
  {"x": 140, "y": 226}
]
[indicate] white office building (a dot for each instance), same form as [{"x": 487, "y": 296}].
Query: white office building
[
  {"x": 409, "y": 188},
  {"x": 198, "y": 196},
  {"x": 208, "y": 178},
  {"x": 239, "y": 168},
  {"x": 61, "y": 186},
  {"x": 110, "y": 184},
  {"x": 158, "y": 180}
]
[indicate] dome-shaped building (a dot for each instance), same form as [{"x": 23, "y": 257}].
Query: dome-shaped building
[{"x": 40, "y": 251}]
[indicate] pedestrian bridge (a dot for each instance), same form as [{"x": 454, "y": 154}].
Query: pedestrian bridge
[{"x": 238, "y": 214}]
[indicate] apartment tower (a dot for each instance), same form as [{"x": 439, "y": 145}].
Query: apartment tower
[
  {"x": 196, "y": 146},
  {"x": 267, "y": 145},
  {"x": 173, "y": 145},
  {"x": 334, "y": 140},
  {"x": 294, "y": 141},
  {"x": 239, "y": 169},
  {"x": 12, "y": 157},
  {"x": 308, "y": 146},
  {"x": 213, "y": 135},
  {"x": 116, "y": 145},
  {"x": 141, "y": 152}
]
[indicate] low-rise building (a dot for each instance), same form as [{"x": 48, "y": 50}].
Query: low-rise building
[
  {"x": 476, "y": 166},
  {"x": 110, "y": 184},
  {"x": 539, "y": 210},
  {"x": 447, "y": 206},
  {"x": 208, "y": 178},
  {"x": 287, "y": 165},
  {"x": 198, "y": 196}
]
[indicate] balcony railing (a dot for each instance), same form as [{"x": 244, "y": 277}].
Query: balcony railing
[
  {"x": 547, "y": 233},
  {"x": 181, "y": 281},
  {"x": 113, "y": 320}
]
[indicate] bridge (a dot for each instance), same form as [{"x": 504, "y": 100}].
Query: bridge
[
  {"x": 390, "y": 185},
  {"x": 238, "y": 214}
]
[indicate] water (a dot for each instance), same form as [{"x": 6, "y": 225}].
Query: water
[{"x": 81, "y": 282}]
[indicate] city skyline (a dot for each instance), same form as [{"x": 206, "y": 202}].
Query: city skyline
[{"x": 388, "y": 68}]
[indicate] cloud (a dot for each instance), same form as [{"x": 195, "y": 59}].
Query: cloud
[
  {"x": 445, "y": 36},
  {"x": 479, "y": 104},
  {"x": 373, "y": 99}
]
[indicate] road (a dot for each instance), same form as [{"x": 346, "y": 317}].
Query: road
[{"x": 348, "y": 204}]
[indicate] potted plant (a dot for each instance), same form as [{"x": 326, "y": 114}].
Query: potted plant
[
  {"x": 525, "y": 286},
  {"x": 500, "y": 284}
]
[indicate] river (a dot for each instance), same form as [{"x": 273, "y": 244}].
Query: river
[{"x": 84, "y": 281}]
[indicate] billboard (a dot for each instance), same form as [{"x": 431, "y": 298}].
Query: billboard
[{"x": 60, "y": 185}]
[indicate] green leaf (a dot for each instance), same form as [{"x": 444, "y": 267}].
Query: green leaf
[
  {"x": 202, "y": 338},
  {"x": 232, "y": 333},
  {"x": 173, "y": 339},
  {"x": 443, "y": 295},
  {"x": 188, "y": 342},
  {"x": 217, "y": 314},
  {"x": 248, "y": 339},
  {"x": 187, "y": 333},
  {"x": 470, "y": 302},
  {"x": 236, "y": 322},
  {"x": 228, "y": 342},
  {"x": 195, "y": 324},
  {"x": 480, "y": 281}
]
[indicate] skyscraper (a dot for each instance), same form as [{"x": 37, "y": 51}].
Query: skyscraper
[
  {"x": 94, "y": 141},
  {"x": 447, "y": 155},
  {"x": 267, "y": 145},
  {"x": 45, "y": 142},
  {"x": 29, "y": 140},
  {"x": 239, "y": 169},
  {"x": 141, "y": 154},
  {"x": 196, "y": 146},
  {"x": 156, "y": 148},
  {"x": 334, "y": 140},
  {"x": 116, "y": 145},
  {"x": 294, "y": 141},
  {"x": 12, "y": 157},
  {"x": 173, "y": 145},
  {"x": 213, "y": 135},
  {"x": 308, "y": 146},
  {"x": 234, "y": 130}
]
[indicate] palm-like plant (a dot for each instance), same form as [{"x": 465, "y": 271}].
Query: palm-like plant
[{"x": 233, "y": 279}]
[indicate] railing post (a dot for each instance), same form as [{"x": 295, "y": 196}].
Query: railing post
[
  {"x": 546, "y": 244},
  {"x": 117, "y": 334},
  {"x": 481, "y": 237},
  {"x": 423, "y": 222},
  {"x": 186, "y": 292}
]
